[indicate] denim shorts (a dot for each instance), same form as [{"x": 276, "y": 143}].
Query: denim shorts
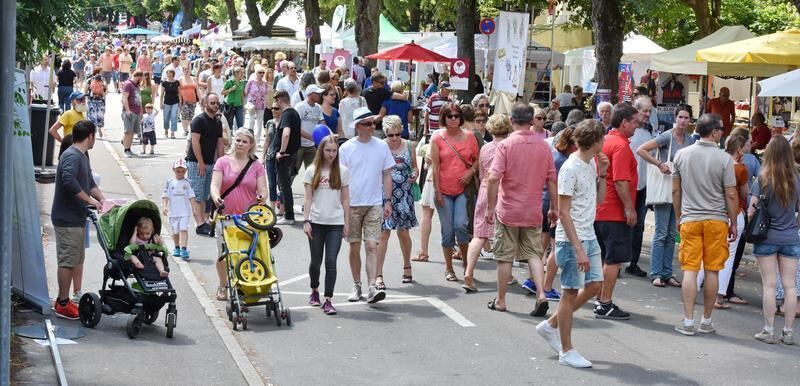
[
  {"x": 571, "y": 277},
  {"x": 764, "y": 249}
]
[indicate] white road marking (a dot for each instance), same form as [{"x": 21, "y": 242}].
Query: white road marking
[
  {"x": 294, "y": 279},
  {"x": 350, "y": 304},
  {"x": 344, "y": 295},
  {"x": 249, "y": 372},
  {"x": 450, "y": 312}
]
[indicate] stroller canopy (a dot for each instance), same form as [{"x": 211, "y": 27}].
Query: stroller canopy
[{"x": 118, "y": 223}]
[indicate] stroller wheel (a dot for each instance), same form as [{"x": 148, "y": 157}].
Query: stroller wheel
[
  {"x": 235, "y": 320},
  {"x": 228, "y": 311},
  {"x": 150, "y": 317},
  {"x": 269, "y": 308},
  {"x": 90, "y": 309},
  {"x": 243, "y": 320},
  {"x": 171, "y": 322},
  {"x": 246, "y": 274},
  {"x": 262, "y": 221},
  {"x": 277, "y": 314},
  {"x": 288, "y": 317},
  {"x": 134, "y": 326}
]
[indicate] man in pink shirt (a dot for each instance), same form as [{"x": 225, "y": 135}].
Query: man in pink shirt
[{"x": 514, "y": 188}]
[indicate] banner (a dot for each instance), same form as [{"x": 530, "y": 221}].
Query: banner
[
  {"x": 510, "y": 51},
  {"x": 625, "y": 82},
  {"x": 337, "y": 26},
  {"x": 336, "y": 59},
  {"x": 602, "y": 95},
  {"x": 28, "y": 278},
  {"x": 459, "y": 74},
  {"x": 176, "y": 24}
]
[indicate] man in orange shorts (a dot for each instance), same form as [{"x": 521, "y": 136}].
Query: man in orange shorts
[{"x": 705, "y": 202}]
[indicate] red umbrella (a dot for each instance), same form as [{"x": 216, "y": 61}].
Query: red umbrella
[{"x": 410, "y": 52}]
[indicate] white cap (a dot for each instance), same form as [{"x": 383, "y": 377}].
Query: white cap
[
  {"x": 179, "y": 163},
  {"x": 313, "y": 89}
]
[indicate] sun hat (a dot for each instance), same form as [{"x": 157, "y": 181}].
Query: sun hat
[{"x": 359, "y": 115}]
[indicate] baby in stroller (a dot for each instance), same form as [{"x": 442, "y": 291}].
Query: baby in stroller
[{"x": 143, "y": 235}]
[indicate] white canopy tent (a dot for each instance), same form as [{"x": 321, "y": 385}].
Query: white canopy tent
[
  {"x": 579, "y": 64},
  {"x": 268, "y": 43},
  {"x": 784, "y": 85},
  {"x": 681, "y": 60}
]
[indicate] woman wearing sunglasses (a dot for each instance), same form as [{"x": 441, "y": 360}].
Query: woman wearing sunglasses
[{"x": 454, "y": 163}]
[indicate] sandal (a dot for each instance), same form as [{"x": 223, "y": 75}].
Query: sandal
[
  {"x": 450, "y": 276},
  {"x": 469, "y": 285},
  {"x": 456, "y": 255},
  {"x": 657, "y": 282},
  {"x": 721, "y": 305},
  {"x": 673, "y": 282},
  {"x": 736, "y": 299},
  {"x": 222, "y": 294},
  {"x": 493, "y": 306},
  {"x": 541, "y": 309},
  {"x": 423, "y": 257},
  {"x": 379, "y": 284},
  {"x": 407, "y": 278}
]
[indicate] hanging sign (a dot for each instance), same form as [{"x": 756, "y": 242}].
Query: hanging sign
[{"x": 459, "y": 74}]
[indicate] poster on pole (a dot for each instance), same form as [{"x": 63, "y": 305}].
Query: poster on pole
[
  {"x": 459, "y": 74},
  {"x": 511, "y": 48},
  {"x": 337, "y": 26},
  {"x": 336, "y": 59},
  {"x": 625, "y": 82}
]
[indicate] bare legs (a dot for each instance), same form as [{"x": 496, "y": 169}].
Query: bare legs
[
  {"x": 689, "y": 292},
  {"x": 787, "y": 267},
  {"x": 571, "y": 301},
  {"x": 425, "y": 230},
  {"x": 610, "y": 273},
  {"x": 473, "y": 251},
  {"x": 405, "y": 248},
  {"x": 371, "y": 249}
]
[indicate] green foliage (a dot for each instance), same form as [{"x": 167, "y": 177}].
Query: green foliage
[
  {"x": 217, "y": 11},
  {"x": 43, "y": 24}
]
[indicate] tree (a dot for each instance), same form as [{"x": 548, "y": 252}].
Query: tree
[
  {"x": 41, "y": 26},
  {"x": 706, "y": 13},
  {"x": 188, "y": 14},
  {"x": 234, "y": 17},
  {"x": 253, "y": 14},
  {"x": 465, "y": 33},
  {"x": 312, "y": 13},
  {"x": 368, "y": 26},
  {"x": 608, "y": 43}
]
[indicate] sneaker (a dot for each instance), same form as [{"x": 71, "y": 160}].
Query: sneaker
[
  {"x": 529, "y": 285},
  {"x": 152, "y": 152},
  {"x": 68, "y": 311},
  {"x": 313, "y": 299},
  {"x": 635, "y": 271},
  {"x": 285, "y": 221},
  {"x": 203, "y": 230},
  {"x": 176, "y": 252},
  {"x": 513, "y": 281},
  {"x": 356, "y": 295},
  {"x": 552, "y": 295},
  {"x": 550, "y": 335},
  {"x": 128, "y": 153},
  {"x": 76, "y": 297},
  {"x": 706, "y": 328},
  {"x": 682, "y": 329},
  {"x": 766, "y": 337},
  {"x": 610, "y": 311},
  {"x": 328, "y": 308},
  {"x": 573, "y": 358},
  {"x": 375, "y": 295},
  {"x": 787, "y": 337},
  {"x": 486, "y": 255},
  {"x": 184, "y": 254}
]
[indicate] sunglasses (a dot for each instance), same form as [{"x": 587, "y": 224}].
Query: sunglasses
[
  {"x": 392, "y": 135},
  {"x": 482, "y": 105},
  {"x": 370, "y": 123},
  {"x": 213, "y": 103},
  {"x": 454, "y": 116},
  {"x": 275, "y": 108}
]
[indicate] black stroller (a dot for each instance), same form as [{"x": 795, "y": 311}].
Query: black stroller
[{"x": 148, "y": 292}]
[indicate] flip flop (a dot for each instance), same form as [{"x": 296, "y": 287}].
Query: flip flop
[
  {"x": 541, "y": 309},
  {"x": 735, "y": 299},
  {"x": 673, "y": 282},
  {"x": 657, "y": 282},
  {"x": 421, "y": 257},
  {"x": 722, "y": 306},
  {"x": 493, "y": 306},
  {"x": 450, "y": 276}
]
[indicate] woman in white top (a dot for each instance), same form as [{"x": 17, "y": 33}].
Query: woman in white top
[
  {"x": 327, "y": 211},
  {"x": 216, "y": 80},
  {"x": 350, "y": 104}
]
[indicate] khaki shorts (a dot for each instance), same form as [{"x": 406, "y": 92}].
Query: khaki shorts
[
  {"x": 365, "y": 223},
  {"x": 524, "y": 243},
  {"x": 70, "y": 251}
]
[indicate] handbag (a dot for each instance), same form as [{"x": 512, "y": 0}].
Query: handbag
[
  {"x": 756, "y": 230},
  {"x": 230, "y": 189},
  {"x": 659, "y": 185},
  {"x": 416, "y": 192}
]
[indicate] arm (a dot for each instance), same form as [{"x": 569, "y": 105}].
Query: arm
[
  {"x": 382, "y": 113},
  {"x": 125, "y": 107},
  {"x": 305, "y": 135},
  {"x": 216, "y": 185},
  {"x": 220, "y": 147},
  {"x": 267, "y": 141},
  {"x": 161, "y": 96},
  {"x": 387, "y": 193},
  {"x": 732, "y": 200},
  {"x": 54, "y": 131},
  {"x": 491, "y": 190},
  {"x": 644, "y": 152},
  {"x": 339, "y": 129},
  {"x": 433, "y": 149},
  {"x": 198, "y": 154},
  {"x": 346, "y": 206},
  {"x": 308, "y": 196},
  {"x": 565, "y": 206},
  {"x": 261, "y": 184},
  {"x": 676, "y": 200},
  {"x": 180, "y": 94},
  {"x": 97, "y": 194},
  {"x": 627, "y": 201}
]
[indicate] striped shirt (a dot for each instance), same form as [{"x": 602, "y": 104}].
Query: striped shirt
[{"x": 435, "y": 104}]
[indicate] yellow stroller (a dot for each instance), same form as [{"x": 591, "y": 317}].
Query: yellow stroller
[{"x": 247, "y": 241}]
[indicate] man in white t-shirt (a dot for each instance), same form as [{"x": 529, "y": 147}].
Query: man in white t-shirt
[
  {"x": 581, "y": 186},
  {"x": 370, "y": 163},
  {"x": 310, "y": 116},
  {"x": 290, "y": 81},
  {"x": 174, "y": 65}
]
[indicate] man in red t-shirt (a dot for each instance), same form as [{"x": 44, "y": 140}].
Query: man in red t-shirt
[
  {"x": 616, "y": 216},
  {"x": 725, "y": 108}
]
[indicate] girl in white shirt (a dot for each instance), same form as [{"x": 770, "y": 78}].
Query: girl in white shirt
[{"x": 327, "y": 213}]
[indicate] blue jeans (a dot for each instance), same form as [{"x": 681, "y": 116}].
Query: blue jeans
[
  {"x": 272, "y": 179},
  {"x": 567, "y": 260},
  {"x": 237, "y": 113},
  {"x": 63, "y": 97},
  {"x": 453, "y": 219},
  {"x": 171, "y": 117},
  {"x": 663, "y": 247}
]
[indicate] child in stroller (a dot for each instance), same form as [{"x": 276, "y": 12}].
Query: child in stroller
[{"x": 143, "y": 235}]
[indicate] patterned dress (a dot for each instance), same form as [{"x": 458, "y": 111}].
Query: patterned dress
[
  {"x": 481, "y": 228},
  {"x": 403, "y": 216}
]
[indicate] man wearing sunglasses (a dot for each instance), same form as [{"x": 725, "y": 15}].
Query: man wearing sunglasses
[{"x": 290, "y": 82}]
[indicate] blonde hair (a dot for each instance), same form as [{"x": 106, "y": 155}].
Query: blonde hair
[
  {"x": 499, "y": 125},
  {"x": 397, "y": 86},
  {"x": 280, "y": 56},
  {"x": 392, "y": 122},
  {"x": 251, "y": 154}
]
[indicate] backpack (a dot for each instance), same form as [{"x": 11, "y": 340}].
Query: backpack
[{"x": 97, "y": 87}]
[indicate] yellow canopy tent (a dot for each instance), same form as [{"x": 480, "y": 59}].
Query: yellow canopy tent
[{"x": 762, "y": 56}]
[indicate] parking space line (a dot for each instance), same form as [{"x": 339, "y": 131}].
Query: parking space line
[{"x": 233, "y": 347}]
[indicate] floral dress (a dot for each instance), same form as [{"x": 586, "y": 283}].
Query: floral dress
[{"x": 403, "y": 216}]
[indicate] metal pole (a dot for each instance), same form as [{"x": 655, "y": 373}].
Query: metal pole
[
  {"x": 552, "y": 54},
  {"x": 8, "y": 38},
  {"x": 52, "y": 60}
]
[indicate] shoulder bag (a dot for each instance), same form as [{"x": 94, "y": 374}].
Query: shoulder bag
[
  {"x": 475, "y": 183},
  {"x": 659, "y": 185},
  {"x": 416, "y": 191},
  {"x": 756, "y": 230}
]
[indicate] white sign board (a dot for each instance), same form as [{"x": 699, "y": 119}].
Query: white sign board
[{"x": 511, "y": 47}]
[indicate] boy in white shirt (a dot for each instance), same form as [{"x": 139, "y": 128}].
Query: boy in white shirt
[
  {"x": 176, "y": 201},
  {"x": 149, "y": 129}
]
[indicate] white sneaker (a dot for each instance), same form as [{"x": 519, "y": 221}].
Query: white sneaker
[
  {"x": 486, "y": 255},
  {"x": 284, "y": 221},
  {"x": 573, "y": 358},
  {"x": 375, "y": 294},
  {"x": 356, "y": 295},
  {"x": 550, "y": 335},
  {"x": 76, "y": 297}
]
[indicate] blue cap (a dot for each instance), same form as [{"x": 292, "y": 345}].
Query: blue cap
[{"x": 76, "y": 95}]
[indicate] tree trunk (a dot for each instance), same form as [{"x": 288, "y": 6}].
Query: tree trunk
[
  {"x": 415, "y": 15},
  {"x": 368, "y": 26},
  {"x": 232, "y": 14},
  {"x": 706, "y": 14},
  {"x": 203, "y": 14},
  {"x": 465, "y": 34},
  {"x": 311, "y": 8},
  {"x": 608, "y": 43},
  {"x": 251, "y": 9},
  {"x": 188, "y": 14}
]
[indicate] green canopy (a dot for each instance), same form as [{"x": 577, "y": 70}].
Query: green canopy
[{"x": 111, "y": 223}]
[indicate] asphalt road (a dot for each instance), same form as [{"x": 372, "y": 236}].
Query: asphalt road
[{"x": 430, "y": 332}]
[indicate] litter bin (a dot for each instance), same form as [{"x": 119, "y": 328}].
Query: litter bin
[{"x": 39, "y": 133}]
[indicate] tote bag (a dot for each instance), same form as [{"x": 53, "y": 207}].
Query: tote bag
[{"x": 659, "y": 185}]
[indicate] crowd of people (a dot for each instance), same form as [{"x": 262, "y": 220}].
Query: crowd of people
[{"x": 568, "y": 195}]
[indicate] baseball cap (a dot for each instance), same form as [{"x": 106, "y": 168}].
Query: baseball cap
[
  {"x": 359, "y": 115},
  {"x": 444, "y": 85},
  {"x": 179, "y": 163},
  {"x": 313, "y": 89}
]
